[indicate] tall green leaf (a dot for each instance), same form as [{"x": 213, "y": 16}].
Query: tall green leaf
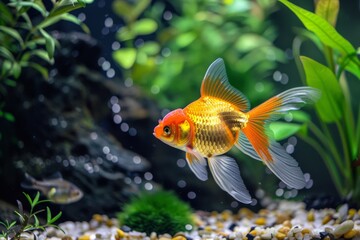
[
  {"x": 283, "y": 130},
  {"x": 13, "y": 33},
  {"x": 328, "y": 9},
  {"x": 327, "y": 33},
  {"x": 50, "y": 43},
  {"x": 330, "y": 105},
  {"x": 65, "y": 6}
]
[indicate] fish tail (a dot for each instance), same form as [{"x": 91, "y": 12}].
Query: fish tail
[{"x": 256, "y": 140}]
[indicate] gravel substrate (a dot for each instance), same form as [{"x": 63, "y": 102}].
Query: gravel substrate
[{"x": 284, "y": 220}]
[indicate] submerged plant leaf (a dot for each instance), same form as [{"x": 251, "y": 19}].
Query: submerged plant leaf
[
  {"x": 125, "y": 57},
  {"x": 23, "y": 6},
  {"x": 65, "y": 6},
  {"x": 13, "y": 33},
  {"x": 328, "y": 9},
  {"x": 130, "y": 12},
  {"x": 283, "y": 130},
  {"x": 330, "y": 105},
  {"x": 325, "y": 32},
  {"x": 50, "y": 43}
]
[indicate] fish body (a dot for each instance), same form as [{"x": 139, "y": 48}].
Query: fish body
[
  {"x": 220, "y": 119},
  {"x": 57, "y": 190},
  {"x": 217, "y": 123}
]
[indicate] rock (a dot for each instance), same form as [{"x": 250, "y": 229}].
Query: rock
[
  {"x": 343, "y": 228},
  {"x": 352, "y": 233},
  {"x": 260, "y": 221}
]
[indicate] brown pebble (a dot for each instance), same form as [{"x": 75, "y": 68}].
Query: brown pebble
[
  {"x": 350, "y": 234},
  {"x": 109, "y": 223},
  {"x": 280, "y": 236},
  {"x": 226, "y": 215},
  {"x": 287, "y": 223},
  {"x": 260, "y": 221},
  {"x": 84, "y": 237},
  {"x": 208, "y": 229},
  {"x": 245, "y": 212},
  {"x": 179, "y": 238},
  {"x": 263, "y": 212},
  {"x": 253, "y": 232},
  {"x": 326, "y": 219},
  {"x": 66, "y": 238},
  {"x": 280, "y": 218},
  {"x": 120, "y": 234},
  {"x": 179, "y": 234},
  {"x": 98, "y": 217},
  {"x": 219, "y": 225},
  {"x": 351, "y": 213},
  {"x": 284, "y": 230},
  {"x": 311, "y": 216},
  {"x": 223, "y": 234}
]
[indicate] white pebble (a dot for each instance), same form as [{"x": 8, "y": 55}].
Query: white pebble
[{"x": 343, "y": 228}]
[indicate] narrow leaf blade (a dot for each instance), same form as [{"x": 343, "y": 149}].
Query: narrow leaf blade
[
  {"x": 328, "y": 9},
  {"x": 327, "y": 33},
  {"x": 332, "y": 99}
]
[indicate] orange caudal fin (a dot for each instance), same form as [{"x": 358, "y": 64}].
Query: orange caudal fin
[{"x": 256, "y": 139}]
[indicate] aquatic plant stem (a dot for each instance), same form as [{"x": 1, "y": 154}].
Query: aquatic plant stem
[
  {"x": 329, "y": 56},
  {"x": 297, "y": 42},
  {"x": 346, "y": 153},
  {"x": 328, "y": 163},
  {"x": 325, "y": 140}
]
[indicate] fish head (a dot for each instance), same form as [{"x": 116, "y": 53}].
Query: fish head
[{"x": 174, "y": 129}]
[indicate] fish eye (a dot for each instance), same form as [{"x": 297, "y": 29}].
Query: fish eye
[{"x": 167, "y": 130}]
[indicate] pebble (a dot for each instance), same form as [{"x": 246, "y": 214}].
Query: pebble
[
  {"x": 260, "y": 221},
  {"x": 311, "y": 216},
  {"x": 326, "y": 219},
  {"x": 343, "y": 228},
  {"x": 282, "y": 221}
]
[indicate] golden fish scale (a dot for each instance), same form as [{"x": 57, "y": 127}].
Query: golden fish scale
[{"x": 217, "y": 125}]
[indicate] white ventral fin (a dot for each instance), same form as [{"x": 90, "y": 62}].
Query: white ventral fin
[
  {"x": 227, "y": 175},
  {"x": 197, "y": 164}
]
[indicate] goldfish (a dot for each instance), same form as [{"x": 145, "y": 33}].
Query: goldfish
[
  {"x": 57, "y": 190},
  {"x": 221, "y": 118}
]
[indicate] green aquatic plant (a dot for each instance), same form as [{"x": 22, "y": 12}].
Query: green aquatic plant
[
  {"x": 25, "y": 42},
  {"x": 160, "y": 212},
  {"x": 167, "y": 45},
  {"x": 29, "y": 222},
  {"x": 336, "y": 133}
]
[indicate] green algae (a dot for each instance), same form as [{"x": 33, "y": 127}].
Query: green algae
[{"x": 160, "y": 212}]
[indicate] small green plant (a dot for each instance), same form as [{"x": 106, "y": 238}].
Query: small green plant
[
  {"x": 24, "y": 39},
  {"x": 336, "y": 133},
  {"x": 160, "y": 212},
  {"x": 29, "y": 222}
]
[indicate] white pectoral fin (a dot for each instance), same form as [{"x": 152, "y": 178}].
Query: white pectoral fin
[
  {"x": 197, "y": 164},
  {"x": 227, "y": 175}
]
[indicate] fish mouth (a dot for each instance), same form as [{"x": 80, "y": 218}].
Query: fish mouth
[{"x": 157, "y": 131}]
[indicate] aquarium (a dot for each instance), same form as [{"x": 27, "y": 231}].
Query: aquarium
[{"x": 141, "y": 119}]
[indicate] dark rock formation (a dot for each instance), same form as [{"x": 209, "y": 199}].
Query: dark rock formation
[{"x": 96, "y": 132}]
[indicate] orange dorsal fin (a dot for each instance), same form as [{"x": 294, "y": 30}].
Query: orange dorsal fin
[{"x": 216, "y": 84}]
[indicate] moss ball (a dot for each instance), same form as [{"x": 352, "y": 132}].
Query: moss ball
[{"x": 160, "y": 212}]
